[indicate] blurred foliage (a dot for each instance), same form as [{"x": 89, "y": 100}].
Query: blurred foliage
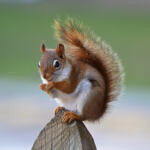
[{"x": 23, "y": 27}]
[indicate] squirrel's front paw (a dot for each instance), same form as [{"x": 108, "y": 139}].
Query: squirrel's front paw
[
  {"x": 43, "y": 87},
  {"x": 47, "y": 87}
]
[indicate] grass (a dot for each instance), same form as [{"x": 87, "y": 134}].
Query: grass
[{"x": 23, "y": 27}]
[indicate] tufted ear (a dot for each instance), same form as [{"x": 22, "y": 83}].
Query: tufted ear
[
  {"x": 43, "y": 48},
  {"x": 60, "y": 50}
]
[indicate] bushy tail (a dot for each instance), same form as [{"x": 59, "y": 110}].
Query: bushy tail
[{"x": 86, "y": 47}]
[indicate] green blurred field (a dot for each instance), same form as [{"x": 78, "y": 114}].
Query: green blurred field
[{"x": 23, "y": 27}]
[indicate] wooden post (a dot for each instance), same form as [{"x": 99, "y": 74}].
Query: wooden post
[{"x": 60, "y": 136}]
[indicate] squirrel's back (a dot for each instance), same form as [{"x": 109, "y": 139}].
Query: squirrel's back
[{"x": 84, "y": 46}]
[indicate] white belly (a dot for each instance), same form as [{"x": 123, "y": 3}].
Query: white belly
[{"x": 76, "y": 100}]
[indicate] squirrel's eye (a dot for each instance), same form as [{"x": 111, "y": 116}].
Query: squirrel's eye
[{"x": 56, "y": 63}]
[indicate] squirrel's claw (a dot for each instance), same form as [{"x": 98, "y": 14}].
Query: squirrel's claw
[{"x": 68, "y": 117}]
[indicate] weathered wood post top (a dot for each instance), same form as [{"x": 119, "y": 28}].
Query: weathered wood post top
[{"x": 57, "y": 135}]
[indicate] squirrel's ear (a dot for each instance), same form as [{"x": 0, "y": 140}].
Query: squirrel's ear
[
  {"x": 60, "y": 50},
  {"x": 43, "y": 48}
]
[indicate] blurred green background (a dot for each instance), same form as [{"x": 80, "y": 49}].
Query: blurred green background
[{"x": 24, "y": 26}]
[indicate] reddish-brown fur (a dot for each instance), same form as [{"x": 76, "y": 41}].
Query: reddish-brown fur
[
  {"x": 84, "y": 47},
  {"x": 66, "y": 86},
  {"x": 83, "y": 53}
]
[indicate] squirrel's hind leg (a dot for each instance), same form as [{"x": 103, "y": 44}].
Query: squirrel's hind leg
[
  {"x": 58, "y": 109},
  {"x": 68, "y": 117}
]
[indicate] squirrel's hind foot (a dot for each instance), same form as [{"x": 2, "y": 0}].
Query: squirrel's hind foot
[
  {"x": 58, "y": 109},
  {"x": 68, "y": 117}
]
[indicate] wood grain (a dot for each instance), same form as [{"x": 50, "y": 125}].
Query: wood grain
[{"x": 59, "y": 136}]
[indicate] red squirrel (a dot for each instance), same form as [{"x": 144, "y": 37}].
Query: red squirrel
[{"x": 82, "y": 74}]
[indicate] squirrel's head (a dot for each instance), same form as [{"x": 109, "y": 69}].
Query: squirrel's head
[{"x": 52, "y": 62}]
